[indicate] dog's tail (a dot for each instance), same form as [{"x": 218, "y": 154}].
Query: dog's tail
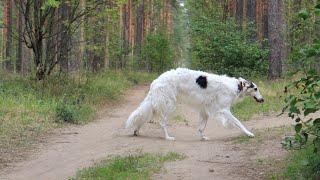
[{"x": 142, "y": 114}]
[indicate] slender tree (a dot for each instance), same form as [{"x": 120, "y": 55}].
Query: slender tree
[
  {"x": 19, "y": 43},
  {"x": 8, "y": 25},
  {"x": 239, "y": 13},
  {"x": 251, "y": 13},
  {"x": 276, "y": 39}
]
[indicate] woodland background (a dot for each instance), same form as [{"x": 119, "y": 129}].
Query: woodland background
[{"x": 236, "y": 37}]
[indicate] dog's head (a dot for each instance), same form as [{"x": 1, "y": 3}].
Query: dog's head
[{"x": 249, "y": 89}]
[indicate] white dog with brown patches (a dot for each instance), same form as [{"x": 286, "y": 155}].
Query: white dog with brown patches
[{"x": 213, "y": 95}]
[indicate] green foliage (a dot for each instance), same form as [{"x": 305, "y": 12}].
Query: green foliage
[
  {"x": 73, "y": 111},
  {"x": 303, "y": 104},
  {"x": 156, "y": 53},
  {"x": 50, "y": 3},
  {"x": 139, "y": 166},
  {"x": 217, "y": 45},
  {"x": 302, "y": 164}
]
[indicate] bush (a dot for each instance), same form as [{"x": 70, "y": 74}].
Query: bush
[
  {"x": 66, "y": 113},
  {"x": 156, "y": 54}
]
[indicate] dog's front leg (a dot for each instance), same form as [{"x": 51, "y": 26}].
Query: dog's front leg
[
  {"x": 202, "y": 125},
  {"x": 237, "y": 123}
]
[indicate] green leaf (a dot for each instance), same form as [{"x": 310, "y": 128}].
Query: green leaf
[
  {"x": 304, "y": 14},
  {"x": 294, "y": 109},
  {"x": 298, "y": 127},
  {"x": 309, "y": 105},
  {"x": 316, "y": 121},
  {"x": 309, "y": 110},
  {"x": 298, "y": 137}
]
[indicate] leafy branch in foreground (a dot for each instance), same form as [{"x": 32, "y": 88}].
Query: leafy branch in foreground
[{"x": 303, "y": 104}]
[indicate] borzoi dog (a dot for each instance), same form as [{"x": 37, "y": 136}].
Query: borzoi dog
[{"x": 213, "y": 95}]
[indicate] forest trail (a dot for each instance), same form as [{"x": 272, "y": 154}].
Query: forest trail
[{"x": 77, "y": 147}]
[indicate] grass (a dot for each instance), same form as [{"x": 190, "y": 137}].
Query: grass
[
  {"x": 273, "y": 93},
  {"x": 132, "y": 167},
  {"x": 301, "y": 164},
  {"x": 28, "y": 109},
  {"x": 179, "y": 118}
]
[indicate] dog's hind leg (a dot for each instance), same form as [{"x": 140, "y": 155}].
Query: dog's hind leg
[
  {"x": 163, "y": 123},
  {"x": 237, "y": 123},
  {"x": 136, "y": 131},
  {"x": 202, "y": 124}
]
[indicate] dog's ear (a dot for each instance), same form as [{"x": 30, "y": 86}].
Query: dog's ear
[{"x": 241, "y": 84}]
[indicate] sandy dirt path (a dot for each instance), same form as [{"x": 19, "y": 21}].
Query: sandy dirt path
[{"x": 77, "y": 147}]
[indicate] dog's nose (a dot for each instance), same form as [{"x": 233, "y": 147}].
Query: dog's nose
[{"x": 262, "y": 100}]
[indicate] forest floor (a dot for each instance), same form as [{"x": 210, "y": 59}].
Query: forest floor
[{"x": 227, "y": 155}]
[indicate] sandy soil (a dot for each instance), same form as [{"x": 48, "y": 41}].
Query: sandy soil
[{"x": 77, "y": 147}]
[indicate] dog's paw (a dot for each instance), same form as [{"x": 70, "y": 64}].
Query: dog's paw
[
  {"x": 250, "y": 134},
  {"x": 204, "y": 138},
  {"x": 170, "y": 138},
  {"x": 136, "y": 133}
]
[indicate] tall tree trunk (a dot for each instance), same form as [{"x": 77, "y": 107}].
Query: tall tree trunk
[
  {"x": 37, "y": 42},
  {"x": 19, "y": 44},
  {"x": 239, "y": 13},
  {"x": 139, "y": 28},
  {"x": 252, "y": 17},
  {"x": 64, "y": 38},
  {"x": 275, "y": 40},
  {"x": 160, "y": 10},
  {"x": 125, "y": 33},
  {"x": 265, "y": 21},
  {"x": 152, "y": 15},
  {"x": 82, "y": 37},
  {"x": 225, "y": 10},
  {"x": 168, "y": 17},
  {"x": 8, "y": 23},
  {"x": 282, "y": 28},
  {"x": 259, "y": 18}
]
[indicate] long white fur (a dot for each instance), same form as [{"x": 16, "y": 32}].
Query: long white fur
[{"x": 180, "y": 84}]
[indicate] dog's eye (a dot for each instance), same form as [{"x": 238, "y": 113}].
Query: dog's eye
[{"x": 255, "y": 89}]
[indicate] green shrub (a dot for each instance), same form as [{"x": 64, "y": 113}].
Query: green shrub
[
  {"x": 302, "y": 164},
  {"x": 65, "y": 113},
  {"x": 156, "y": 53}
]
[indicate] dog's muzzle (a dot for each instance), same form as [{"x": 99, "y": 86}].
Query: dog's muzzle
[{"x": 259, "y": 100}]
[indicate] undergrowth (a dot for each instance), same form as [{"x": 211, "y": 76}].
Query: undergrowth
[
  {"x": 301, "y": 164},
  {"x": 29, "y": 108}
]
